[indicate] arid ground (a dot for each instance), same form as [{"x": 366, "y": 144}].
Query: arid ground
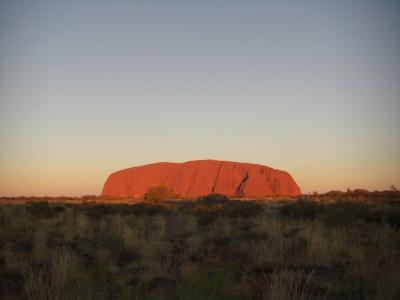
[{"x": 322, "y": 247}]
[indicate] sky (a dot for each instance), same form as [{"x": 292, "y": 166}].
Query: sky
[{"x": 91, "y": 87}]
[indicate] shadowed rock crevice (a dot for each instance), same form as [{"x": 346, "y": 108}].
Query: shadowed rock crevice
[
  {"x": 240, "y": 188},
  {"x": 216, "y": 178}
]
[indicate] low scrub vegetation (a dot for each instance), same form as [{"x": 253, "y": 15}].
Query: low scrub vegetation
[
  {"x": 213, "y": 248},
  {"x": 213, "y": 199},
  {"x": 158, "y": 193},
  {"x": 343, "y": 213}
]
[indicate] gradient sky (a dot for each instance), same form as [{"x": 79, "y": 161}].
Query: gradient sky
[{"x": 90, "y": 87}]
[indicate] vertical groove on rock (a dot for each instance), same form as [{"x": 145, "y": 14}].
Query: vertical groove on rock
[
  {"x": 242, "y": 184},
  {"x": 274, "y": 187},
  {"x": 216, "y": 177},
  {"x": 196, "y": 173}
]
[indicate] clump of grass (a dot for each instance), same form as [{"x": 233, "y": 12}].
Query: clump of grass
[
  {"x": 209, "y": 283},
  {"x": 288, "y": 284},
  {"x": 55, "y": 281}
]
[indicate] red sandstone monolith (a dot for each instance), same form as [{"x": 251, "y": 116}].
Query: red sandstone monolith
[{"x": 201, "y": 177}]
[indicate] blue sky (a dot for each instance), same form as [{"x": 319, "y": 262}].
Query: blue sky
[{"x": 90, "y": 87}]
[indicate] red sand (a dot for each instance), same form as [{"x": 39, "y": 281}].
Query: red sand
[{"x": 197, "y": 178}]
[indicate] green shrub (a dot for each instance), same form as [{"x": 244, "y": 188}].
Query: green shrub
[
  {"x": 37, "y": 207},
  {"x": 11, "y": 284},
  {"x": 337, "y": 216},
  {"x": 85, "y": 247},
  {"x": 342, "y": 213},
  {"x": 242, "y": 209},
  {"x": 210, "y": 283},
  {"x": 212, "y": 199},
  {"x": 334, "y": 194},
  {"x": 386, "y": 214},
  {"x": 158, "y": 193},
  {"x": 393, "y": 218},
  {"x": 42, "y": 209},
  {"x": 59, "y": 208},
  {"x": 22, "y": 243},
  {"x": 206, "y": 219},
  {"x": 347, "y": 213},
  {"x": 302, "y": 209},
  {"x": 55, "y": 239},
  {"x": 143, "y": 209},
  {"x": 97, "y": 211}
]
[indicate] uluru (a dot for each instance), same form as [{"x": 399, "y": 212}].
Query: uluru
[{"x": 192, "y": 179}]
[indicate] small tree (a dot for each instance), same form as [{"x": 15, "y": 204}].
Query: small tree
[{"x": 158, "y": 193}]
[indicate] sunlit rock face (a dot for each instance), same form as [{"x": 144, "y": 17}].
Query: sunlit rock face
[{"x": 201, "y": 177}]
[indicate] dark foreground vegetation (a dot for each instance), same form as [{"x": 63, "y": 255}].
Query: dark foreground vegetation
[{"x": 214, "y": 248}]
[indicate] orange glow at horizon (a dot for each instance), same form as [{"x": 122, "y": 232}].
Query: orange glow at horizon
[{"x": 68, "y": 181}]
